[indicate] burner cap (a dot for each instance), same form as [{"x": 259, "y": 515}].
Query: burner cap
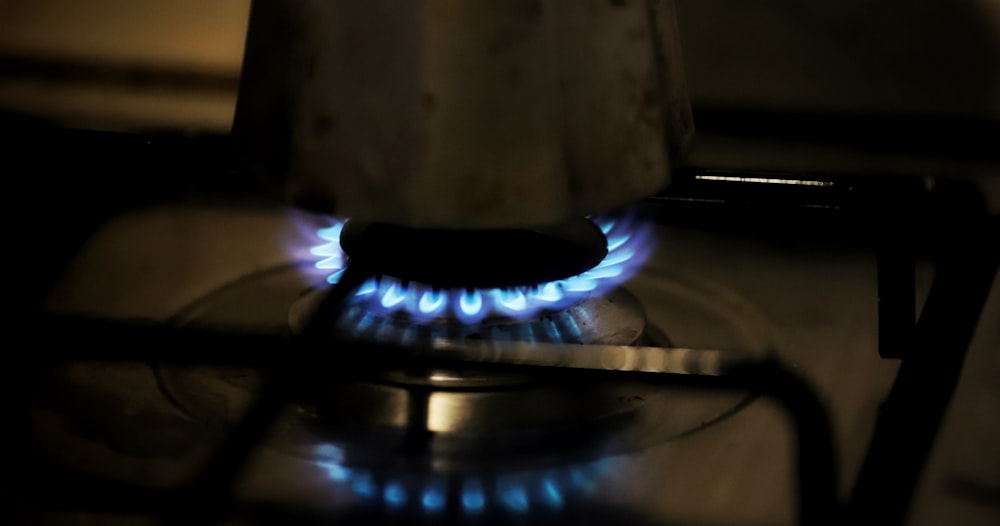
[{"x": 476, "y": 258}]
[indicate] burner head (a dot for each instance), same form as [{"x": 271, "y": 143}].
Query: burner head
[{"x": 461, "y": 259}]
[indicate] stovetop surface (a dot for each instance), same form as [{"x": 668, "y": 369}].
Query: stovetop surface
[
  {"x": 180, "y": 256},
  {"x": 813, "y": 303}
]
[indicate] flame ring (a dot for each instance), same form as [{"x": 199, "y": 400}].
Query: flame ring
[{"x": 627, "y": 250}]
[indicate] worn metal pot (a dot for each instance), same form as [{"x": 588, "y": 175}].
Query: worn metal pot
[{"x": 463, "y": 113}]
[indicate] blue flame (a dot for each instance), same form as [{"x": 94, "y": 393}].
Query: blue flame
[
  {"x": 516, "y": 493},
  {"x": 394, "y": 495},
  {"x": 434, "y": 498},
  {"x": 551, "y": 493},
  {"x": 513, "y": 495},
  {"x": 627, "y": 251},
  {"x": 473, "y": 497}
]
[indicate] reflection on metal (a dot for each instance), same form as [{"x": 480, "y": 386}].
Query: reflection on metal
[
  {"x": 515, "y": 492},
  {"x": 445, "y": 412},
  {"x": 763, "y": 180},
  {"x": 676, "y": 360}
]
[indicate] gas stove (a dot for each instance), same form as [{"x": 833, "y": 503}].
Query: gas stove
[{"x": 738, "y": 350}]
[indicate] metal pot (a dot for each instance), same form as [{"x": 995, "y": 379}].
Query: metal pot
[{"x": 463, "y": 113}]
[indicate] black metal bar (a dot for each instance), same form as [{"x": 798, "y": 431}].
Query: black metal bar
[
  {"x": 126, "y": 341},
  {"x": 816, "y": 458},
  {"x": 211, "y": 489},
  {"x": 962, "y": 138},
  {"x": 51, "y": 489},
  {"x": 894, "y": 219},
  {"x": 967, "y": 263},
  {"x": 210, "y": 492},
  {"x": 897, "y": 294},
  {"x": 737, "y": 189}
]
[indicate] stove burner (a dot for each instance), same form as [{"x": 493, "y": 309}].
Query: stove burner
[
  {"x": 516, "y": 492},
  {"x": 626, "y": 251}
]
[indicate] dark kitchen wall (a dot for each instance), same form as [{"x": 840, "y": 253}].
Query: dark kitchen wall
[
  {"x": 123, "y": 63},
  {"x": 882, "y": 56},
  {"x": 174, "y": 62}
]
